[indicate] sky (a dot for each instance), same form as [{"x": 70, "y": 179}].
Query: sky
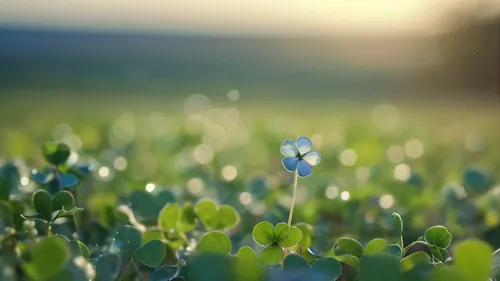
[{"x": 233, "y": 16}]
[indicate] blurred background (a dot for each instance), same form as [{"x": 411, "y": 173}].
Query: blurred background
[{"x": 400, "y": 97}]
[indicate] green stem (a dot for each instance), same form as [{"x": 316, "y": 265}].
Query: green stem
[
  {"x": 136, "y": 269},
  {"x": 49, "y": 229},
  {"x": 295, "y": 180},
  {"x": 290, "y": 216},
  {"x": 124, "y": 272}
]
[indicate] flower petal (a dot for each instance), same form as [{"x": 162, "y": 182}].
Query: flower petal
[
  {"x": 290, "y": 163},
  {"x": 312, "y": 157},
  {"x": 304, "y": 145},
  {"x": 289, "y": 149},
  {"x": 304, "y": 169}
]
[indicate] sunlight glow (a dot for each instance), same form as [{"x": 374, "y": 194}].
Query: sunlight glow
[
  {"x": 332, "y": 192},
  {"x": 233, "y": 95},
  {"x": 150, "y": 187},
  {"x": 348, "y": 157},
  {"x": 402, "y": 172},
  {"x": 235, "y": 16},
  {"x": 203, "y": 154},
  {"x": 229, "y": 173},
  {"x": 120, "y": 164},
  {"x": 103, "y": 172},
  {"x": 345, "y": 195},
  {"x": 25, "y": 181},
  {"x": 386, "y": 201},
  {"x": 246, "y": 198},
  {"x": 195, "y": 185},
  {"x": 414, "y": 148}
]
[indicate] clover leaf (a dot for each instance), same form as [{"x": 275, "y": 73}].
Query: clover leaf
[
  {"x": 438, "y": 236},
  {"x": 215, "y": 217},
  {"x": 274, "y": 239}
]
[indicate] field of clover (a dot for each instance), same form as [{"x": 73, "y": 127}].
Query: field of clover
[{"x": 211, "y": 196}]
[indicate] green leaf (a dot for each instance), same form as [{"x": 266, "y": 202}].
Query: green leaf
[
  {"x": 188, "y": 218},
  {"x": 151, "y": 253},
  {"x": 48, "y": 257},
  {"x": 263, "y": 233},
  {"x": 349, "y": 260},
  {"x": 214, "y": 242},
  {"x": 6, "y": 218},
  {"x": 107, "y": 267},
  {"x": 328, "y": 267},
  {"x": 382, "y": 266},
  {"x": 60, "y": 237},
  {"x": 227, "y": 218},
  {"x": 495, "y": 274},
  {"x": 63, "y": 199},
  {"x": 397, "y": 222},
  {"x": 169, "y": 217},
  {"x": 349, "y": 246},
  {"x": 126, "y": 240},
  {"x": 377, "y": 245},
  {"x": 439, "y": 253},
  {"x": 152, "y": 234},
  {"x": 412, "y": 261},
  {"x": 42, "y": 201},
  {"x": 306, "y": 241},
  {"x": 473, "y": 258},
  {"x": 246, "y": 253},
  {"x": 166, "y": 272},
  {"x": 394, "y": 250},
  {"x": 291, "y": 239},
  {"x": 207, "y": 212},
  {"x": 446, "y": 273},
  {"x": 438, "y": 236},
  {"x": 280, "y": 231},
  {"x": 272, "y": 254},
  {"x": 223, "y": 218},
  {"x": 56, "y": 153},
  {"x": 83, "y": 249},
  {"x": 294, "y": 262},
  {"x": 9, "y": 180},
  {"x": 67, "y": 213}
]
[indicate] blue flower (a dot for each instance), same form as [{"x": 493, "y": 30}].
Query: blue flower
[{"x": 299, "y": 156}]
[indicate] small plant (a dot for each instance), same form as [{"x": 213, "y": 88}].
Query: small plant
[{"x": 158, "y": 236}]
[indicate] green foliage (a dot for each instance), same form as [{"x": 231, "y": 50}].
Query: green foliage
[
  {"x": 216, "y": 218},
  {"x": 282, "y": 235},
  {"x": 348, "y": 246},
  {"x": 214, "y": 242},
  {"x": 42, "y": 201},
  {"x": 272, "y": 254},
  {"x": 473, "y": 258},
  {"x": 438, "y": 236},
  {"x": 295, "y": 263},
  {"x": 412, "y": 261},
  {"x": 46, "y": 259},
  {"x": 328, "y": 267},
  {"x": 379, "y": 267},
  {"x": 56, "y": 153},
  {"x": 125, "y": 241},
  {"x": 377, "y": 245},
  {"x": 154, "y": 235},
  {"x": 151, "y": 253}
]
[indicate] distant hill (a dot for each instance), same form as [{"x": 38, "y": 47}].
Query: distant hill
[{"x": 105, "y": 64}]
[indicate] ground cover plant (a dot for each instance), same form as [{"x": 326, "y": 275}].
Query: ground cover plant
[{"x": 106, "y": 215}]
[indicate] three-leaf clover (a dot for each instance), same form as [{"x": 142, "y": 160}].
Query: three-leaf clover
[{"x": 274, "y": 239}]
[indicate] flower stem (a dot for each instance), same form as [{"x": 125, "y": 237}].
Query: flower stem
[{"x": 295, "y": 180}]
